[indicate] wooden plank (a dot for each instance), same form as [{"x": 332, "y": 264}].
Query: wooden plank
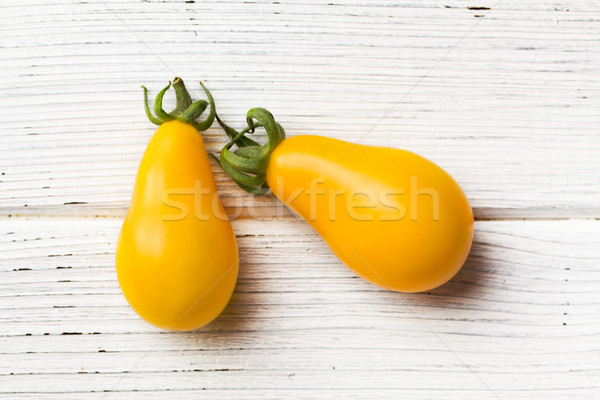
[
  {"x": 507, "y": 103},
  {"x": 505, "y": 99},
  {"x": 521, "y": 318}
]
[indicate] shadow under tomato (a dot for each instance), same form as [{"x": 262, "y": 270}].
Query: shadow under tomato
[
  {"x": 466, "y": 287},
  {"x": 247, "y": 314},
  {"x": 239, "y": 318}
]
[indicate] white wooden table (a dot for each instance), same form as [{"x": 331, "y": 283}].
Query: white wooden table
[{"x": 507, "y": 99}]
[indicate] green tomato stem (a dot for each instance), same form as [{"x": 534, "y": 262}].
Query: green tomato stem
[
  {"x": 182, "y": 97},
  {"x": 151, "y": 117},
  {"x": 202, "y": 126},
  {"x": 236, "y": 137},
  {"x": 185, "y": 111},
  {"x": 193, "y": 111},
  {"x": 248, "y": 164},
  {"x": 158, "y": 110}
]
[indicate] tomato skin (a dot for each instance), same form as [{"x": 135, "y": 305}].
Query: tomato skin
[
  {"x": 177, "y": 271},
  {"x": 383, "y": 226}
]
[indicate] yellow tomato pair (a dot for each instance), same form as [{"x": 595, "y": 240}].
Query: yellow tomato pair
[{"x": 393, "y": 217}]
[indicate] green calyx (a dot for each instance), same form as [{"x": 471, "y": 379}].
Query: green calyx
[
  {"x": 247, "y": 165},
  {"x": 186, "y": 110}
]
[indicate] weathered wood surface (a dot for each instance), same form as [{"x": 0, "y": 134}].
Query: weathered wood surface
[
  {"x": 506, "y": 99},
  {"x": 508, "y": 103},
  {"x": 520, "y": 319}
]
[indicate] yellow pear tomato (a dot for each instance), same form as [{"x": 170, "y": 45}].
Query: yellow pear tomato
[
  {"x": 176, "y": 258},
  {"x": 393, "y": 217}
]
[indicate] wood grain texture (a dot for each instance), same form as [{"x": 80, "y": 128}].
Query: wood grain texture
[
  {"x": 508, "y": 103},
  {"x": 520, "y": 319},
  {"x": 507, "y": 100}
]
